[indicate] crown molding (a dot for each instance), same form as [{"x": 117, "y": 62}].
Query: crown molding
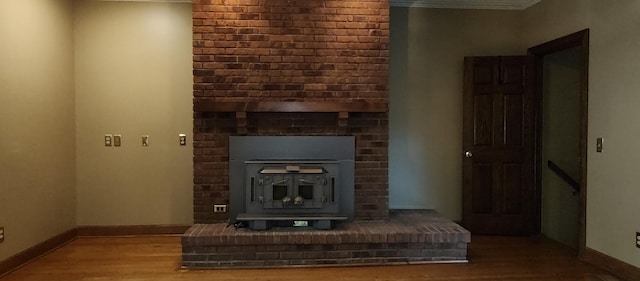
[{"x": 467, "y": 4}]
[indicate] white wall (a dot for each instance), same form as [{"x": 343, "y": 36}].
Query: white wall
[
  {"x": 133, "y": 77},
  {"x": 612, "y": 207},
  {"x": 37, "y": 156},
  {"x": 428, "y": 47}
]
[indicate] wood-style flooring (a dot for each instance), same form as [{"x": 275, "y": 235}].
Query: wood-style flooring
[{"x": 158, "y": 258}]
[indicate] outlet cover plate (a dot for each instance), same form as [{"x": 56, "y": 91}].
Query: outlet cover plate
[
  {"x": 219, "y": 208},
  {"x": 108, "y": 140},
  {"x": 599, "y": 144},
  {"x": 117, "y": 140},
  {"x": 1, "y": 234}
]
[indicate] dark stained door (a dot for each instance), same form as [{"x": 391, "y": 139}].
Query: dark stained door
[{"x": 498, "y": 139}]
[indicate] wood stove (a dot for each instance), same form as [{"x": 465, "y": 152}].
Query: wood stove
[{"x": 288, "y": 181}]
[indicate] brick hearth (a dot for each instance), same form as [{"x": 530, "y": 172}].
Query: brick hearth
[{"x": 406, "y": 237}]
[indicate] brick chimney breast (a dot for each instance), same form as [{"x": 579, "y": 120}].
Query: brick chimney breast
[{"x": 314, "y": 51}]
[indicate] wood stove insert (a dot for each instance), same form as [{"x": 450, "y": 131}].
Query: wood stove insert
[
  {"x": 296, "y": 185},
  {"x": 292, "y": 193}
]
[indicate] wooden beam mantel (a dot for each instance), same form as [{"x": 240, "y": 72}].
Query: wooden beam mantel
[
  {"x": 241, "y": 108},
  {"x": 290, "y": 106}
]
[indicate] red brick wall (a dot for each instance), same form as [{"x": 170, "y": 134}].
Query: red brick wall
[{"x": 290, "y": 50}]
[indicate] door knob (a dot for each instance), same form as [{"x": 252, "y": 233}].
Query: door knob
[{"x": 468, "y": 154}]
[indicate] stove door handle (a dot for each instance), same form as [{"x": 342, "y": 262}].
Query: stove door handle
[
  {"x": 305, "y": 181},
  {"x": 280, "y": 182}
]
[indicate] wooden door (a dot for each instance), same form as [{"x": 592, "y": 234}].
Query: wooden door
[{"x": 498, "y": 139}]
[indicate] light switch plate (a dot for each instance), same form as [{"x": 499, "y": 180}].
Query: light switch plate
[
  {"x": 117, "y": 140},
  {"x": 183, "y": 139},
  {"x": 599, "y": 144},
  {"x": 145, "y": 140},
  {"x": 108, "y": 140}
]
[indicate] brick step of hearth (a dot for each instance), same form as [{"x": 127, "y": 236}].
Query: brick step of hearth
[{"x": 407, "y": 237}]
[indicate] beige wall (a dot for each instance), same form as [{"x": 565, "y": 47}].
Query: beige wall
[
  {"x": 612, "y": 197},
  {"x": 425, "y": 130},
  {"x": 612, "y": 207},
  {"x": 133, "y": 77},
  {"x": 37, "y": 167},
  {"x": 551, "y": 19},
  {"x": 428, "y": 47}
]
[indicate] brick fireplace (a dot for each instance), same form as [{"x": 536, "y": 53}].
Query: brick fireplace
[
  {"x": 300, "y": 69},
  {"x": 290, "y": 68}
]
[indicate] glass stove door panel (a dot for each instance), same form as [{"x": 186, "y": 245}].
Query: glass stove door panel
[
  {"x": 311, "y": 188},
  {"x": 275, "y": 188}
]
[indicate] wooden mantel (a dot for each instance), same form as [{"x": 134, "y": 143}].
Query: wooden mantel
[
  {"x": 241, "y": 108},
  {"x": 290, "y": 106}
]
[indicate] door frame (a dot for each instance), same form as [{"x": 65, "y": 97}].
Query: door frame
[{"x": 578, "y": 39}]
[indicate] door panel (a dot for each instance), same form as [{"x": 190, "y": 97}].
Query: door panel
[
  {"x": 512, "y": 71},
  {"x": 481, "y": 199},
  {"x": 483, "y": 111},
  {"x": 513, "y": 120},
  {"x": 498, "y": 131},
  {"x": 512, "y": 189}
]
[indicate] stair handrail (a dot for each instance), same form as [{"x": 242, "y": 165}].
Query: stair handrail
[{"x": 564, "y": 176}]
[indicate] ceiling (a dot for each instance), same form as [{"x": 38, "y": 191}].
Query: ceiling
[
  {"x": 467, "y": 4},
  {"x": 449, "y": 4}
]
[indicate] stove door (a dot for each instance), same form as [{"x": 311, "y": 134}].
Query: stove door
[
  {"x": 284, "y": 188},
  {"x": 277, "y": 190},
  {"x": 309, "y": 191}
]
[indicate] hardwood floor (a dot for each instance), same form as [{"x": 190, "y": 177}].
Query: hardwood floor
[{"x": 158, "y": 258}]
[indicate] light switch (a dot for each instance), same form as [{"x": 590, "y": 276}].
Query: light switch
[
  {"x": 599, "y": 144},
  {"x": 117, "y": 140},
  {"x": 183, "y": 139},
  {"x": 145, "y": 140},
  {"x": 108, "y": 139}
]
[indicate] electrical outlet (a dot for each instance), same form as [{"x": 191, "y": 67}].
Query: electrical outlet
[
  {"x": 1, "y": 234},
  {"x": 219, "y": 208},
  {"x": 637, "y": 239},
  {"x": 183, "y": 139}
]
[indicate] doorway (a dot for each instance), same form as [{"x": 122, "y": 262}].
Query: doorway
[
  {"x": 561, "y": 146},
  {"x": 561, "y": 92}
]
